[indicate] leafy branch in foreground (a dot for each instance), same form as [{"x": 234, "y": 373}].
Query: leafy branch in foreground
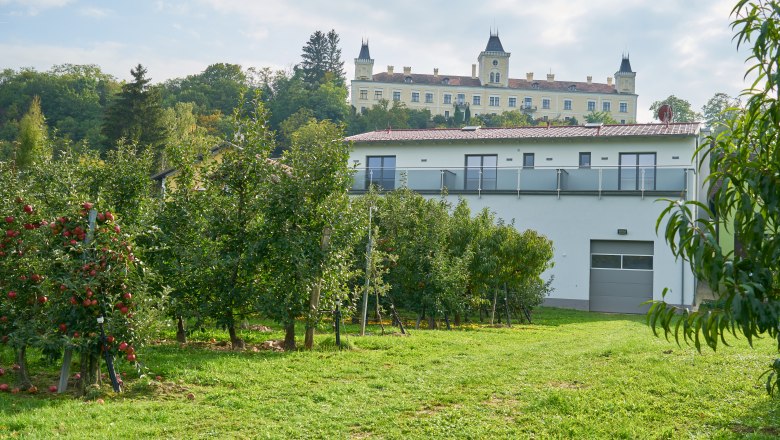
[{"x": 744, "y": 165}]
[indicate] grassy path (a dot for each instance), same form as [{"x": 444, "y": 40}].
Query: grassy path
[{"x": 570, "y": 375}]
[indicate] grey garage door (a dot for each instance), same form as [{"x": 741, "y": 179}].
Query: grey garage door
[{"x": 621, "y": 276}]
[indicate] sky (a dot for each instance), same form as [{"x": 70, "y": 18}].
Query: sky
[{"x": 682, "y": 48}]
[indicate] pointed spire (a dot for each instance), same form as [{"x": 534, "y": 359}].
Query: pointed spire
[
  {"x": 494, "y": 43},
  {"x": 364, "y": 55},
  {"x": 625, "y": 64}
]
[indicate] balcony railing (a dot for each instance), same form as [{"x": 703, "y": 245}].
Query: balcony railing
[{"x": 540, "y": 180}]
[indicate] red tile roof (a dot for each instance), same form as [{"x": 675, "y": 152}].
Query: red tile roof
[
  {"x": 537, "y": 132},
  {"x": 514, "y": 83}
]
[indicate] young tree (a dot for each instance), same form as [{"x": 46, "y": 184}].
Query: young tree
[
  {"x": 744, "y": 171},
  {"x": 719, "y": 111},
  {"x": 681, "y": 109},
  {"x": 603, "y": 117},
  {"x": 307, "y": 228},
  {"x": 32, "y": 142}
]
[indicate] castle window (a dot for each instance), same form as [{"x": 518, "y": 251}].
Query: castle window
[
  {"x": 495, "y": 101},
  {"x": 567, "y": 104},
  {"x": 461, "y": 98},
  {"x": 513, "y": 101},
  {"x": 377, "y": 94},
  {"x": 535, "y": 85},
  {"x": 429, "y": 98},
  {"x": 408, "y": 79},
  {"x": 591, "y": 106},
  {"x": 606, "y": 106},
  {"x": 396, "y": 95},
  {"x": 623, "y": 107},
  {"x": 492, "y": 77},
  {"x": 363, "y": 94},
  {"x": 546, "y": 103},
  {"x": 572, "y": 88},
  {"x": 495, "y": 62},
  {"x": 447, "y": 98},
  {"x": 527, "y": 102},
  {"x": 415, "y": 96},
  {"x": 476, "y": 100},
  {"x": 445, "y": 81},
  {"x": 498, "y": 77}
]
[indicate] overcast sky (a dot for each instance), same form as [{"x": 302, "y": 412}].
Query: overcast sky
[{"x": 680, "y": 48}]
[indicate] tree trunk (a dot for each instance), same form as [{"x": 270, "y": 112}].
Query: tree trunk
[
  {"x": 181, "y": 335},
  {"x": 431, "y": 322},
  {"x": 493, "y": 313},
  {"x": 22, "y": 375},
  {"x": 90, "y": 371},
  {"x": 314, "y": 297},
  {"x": 235, "y": 341},
  {"x": 447, "y": 321},
  {"x": 456, "y": 321},
  {"x": 419, "y": 319},
  {"x": 289, "y": 335}
]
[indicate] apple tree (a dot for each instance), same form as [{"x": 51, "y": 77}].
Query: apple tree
[{"x": 307, "y": 228}]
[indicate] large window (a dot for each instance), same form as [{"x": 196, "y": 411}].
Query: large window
[
  {"x": 481, "y": 171},
  {"x": 447, "y": 98},
  {"x": 476, "y": 100},
  {"x": 513, "y": 101},
  {"x": 606, "y": 106},
  {"x": 623, "y": 107},
  {"x": 567, "y": 104},
  {"x": 380, "y": 171},
  {"x": 396, "y": 96},
  {"x": 494, "y": 101},
  {"x": 363, "y": 94},
  {"x": 527, "y": 101},
  {"x": 461, "y": 98},
  {"x": 528, "y": 160},
  {"x": 415, "y": 96},
  {"x": 377, "y": 94},
  {"x": 546, "y": 103},
  {"x": 591, "y": 106},
  {"x": 637, "y": 171},
  {"x": 429, "y": 98}
]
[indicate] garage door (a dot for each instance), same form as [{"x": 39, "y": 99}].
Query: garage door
[{"x": 621, "y": 276}]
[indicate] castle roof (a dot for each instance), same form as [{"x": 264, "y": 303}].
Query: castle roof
[
  {"x": 364, "y": 55},
  {"x": 537, "y": 132},
  {"x": 494, "y": 44},
  {"x": 625, "y": 65},
  {"x": 467, "y": 81}
]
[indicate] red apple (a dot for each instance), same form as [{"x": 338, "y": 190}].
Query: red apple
[
  {"x": 53, "y": 388},
  {"x": 131, "y": 357},
  {"x": 15, "y": 390},
  {"x": 28, "y": 209},
  {"x": 11, "y": 294},
  {"x": 29, "y": 226},
  {"x": 35, "y": 278},
  {"x": 87, "y": 205},
  {"x": 122, "y": 346},
  {"x": 42, "y": 299},
  {"x": 2, "y": 371},
  {"x": 117, "y": 228},
  {"x": 63, "y": 287},
  {"x": 127, "y": 295},
  {"x": 32, "y": 390},
  {"x": 86, "y": 303},
  {"x": 124, "y": 310},
  {"x": 110, "y": 339},
  {"x": 92, "y": 273},
  {"x": 16, "y": 367},
  {"x": 63, "y": 328},
  {"x": 3, "y": 318},
  {"x": 73, "y": 300},
  {"x": 9, "y": 219},
  {"x": 4, "y": 387},
  {"x": 158, "y": 378},
  {"x": 77, "y": 376},
  {"x": 110, "y": 217},
  {"x": 75, "y": 334}
]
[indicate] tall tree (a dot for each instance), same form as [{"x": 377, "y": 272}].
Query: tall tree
[
  {"x": 719, "y": 111},
  {"x": 744, "y": 170},
  {"x": 681, "y": 109},
  {"x": 321, "y": 60},
  {"x": 137, "y": 115},
  {"x": 32, "y": 143}
]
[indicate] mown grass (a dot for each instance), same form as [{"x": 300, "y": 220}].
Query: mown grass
[{"x": 569, "y": 375}]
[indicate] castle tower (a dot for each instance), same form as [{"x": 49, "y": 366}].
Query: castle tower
[
  {"x": 625, "y": 79},
  {"x": 364, "y": 65},
  {"x": 494, "y": 63}
]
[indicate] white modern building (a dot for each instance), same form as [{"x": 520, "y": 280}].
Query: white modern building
[{"x": 593, "y": 190}]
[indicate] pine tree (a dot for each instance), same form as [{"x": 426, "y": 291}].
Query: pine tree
[
  {"x": 321, "y": 60},
  {"x": 333, "y": 58}
]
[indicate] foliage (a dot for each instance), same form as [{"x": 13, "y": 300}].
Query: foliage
[
  {"x": 321, "y": 60},
  {"x": 681, "y": 109},
  {"x": 744, "y": 170},
  {"x": 719, "y": 111},
  {"x": 603, "y": 117},
  {"x": 32, "y": 142},
  {"x": 136, "y": 116}
]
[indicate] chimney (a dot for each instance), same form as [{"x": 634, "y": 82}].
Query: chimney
[
  {"x": 407, "y": 70},
  {"x": 551, "y": 77},
  {"x": 590, "y": 79},
  {"x": 609, "y": 80},
  {"x": 390, "y": 70},
  {"x": 529, "y": 76},
  {"x": 435, "y": 72},
  {"x": 473, "y": 71}
]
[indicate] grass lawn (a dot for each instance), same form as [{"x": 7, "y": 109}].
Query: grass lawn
[{"x": 569, "y": 375}]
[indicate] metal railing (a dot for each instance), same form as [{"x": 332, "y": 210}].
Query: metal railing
[{"x": 519, "y": 180}]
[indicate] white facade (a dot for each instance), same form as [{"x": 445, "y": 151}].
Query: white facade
[{"x": 606, "y": 200}]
